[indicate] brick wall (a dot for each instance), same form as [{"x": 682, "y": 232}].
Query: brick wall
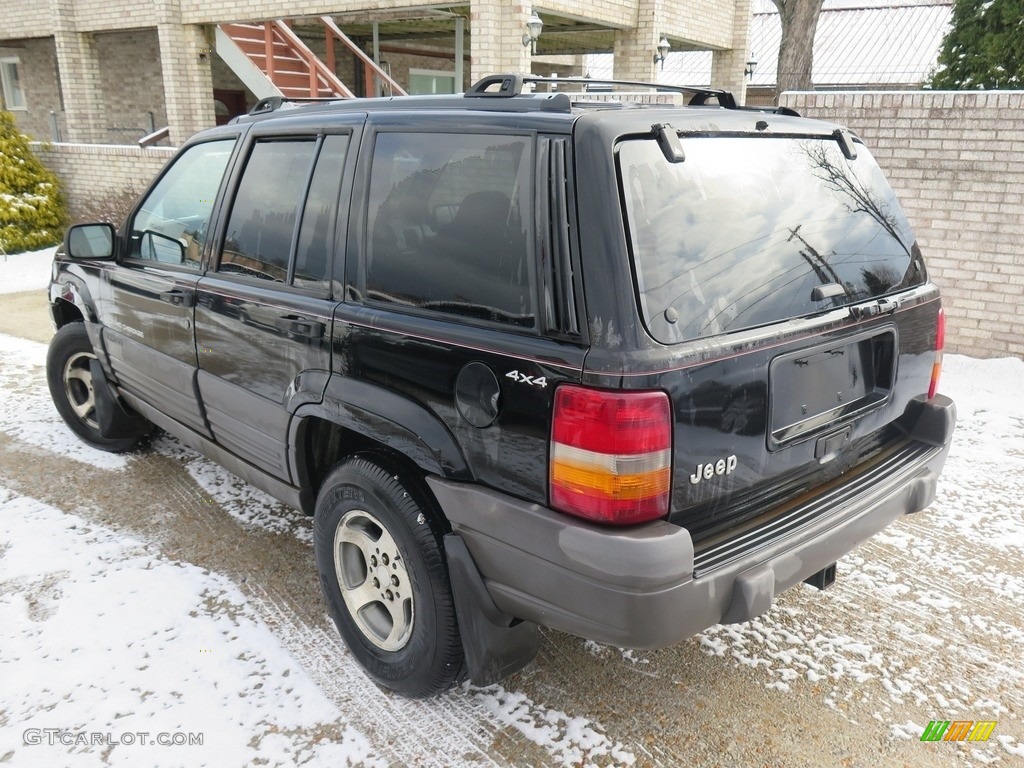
[
  {"x": 37, "y": 67},
  {"x": 104, "y": 50},
  {"x": 709, "y": 22},
  {"x": 496, "y": 29},
  {"x": 132, "y": 82},
  {"x": 956, "y": 160},
  {"x": 219, "y": 11},
  {"x": 100, "y": 15},
  {"x": 91, "y": 172},
  {"x": 727, "y": 67},
  {"x": 24, "y": 19}
]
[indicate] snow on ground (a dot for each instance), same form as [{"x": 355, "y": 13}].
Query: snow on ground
[
  {"x": 918, "y": 593},
  {"x": 253, "y": 680},
  {"x": 25, "y": 271},
  {"x": 104, "y": 639},
  {"x": 246, "y": 503},
  {"x": 917, "y": 617},
  {"x": 27, "y": 412},
  {"x": 569, "y": 740}
]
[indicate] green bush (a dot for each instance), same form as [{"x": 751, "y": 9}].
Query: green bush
[{"x": 32, "y": 214}]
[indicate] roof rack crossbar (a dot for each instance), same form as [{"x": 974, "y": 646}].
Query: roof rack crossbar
[
  {"x": 512, "y": 85},
  {"x": 274, "y": 103}
]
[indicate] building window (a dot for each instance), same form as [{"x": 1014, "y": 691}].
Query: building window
[
  {"x": 428, "y": 81},
  {"x": 14, "y": 96}
]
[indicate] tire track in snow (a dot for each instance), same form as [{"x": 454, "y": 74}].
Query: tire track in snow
[
  {"x": 440, "y": 733},
  {"x": 159, "y": 500}
]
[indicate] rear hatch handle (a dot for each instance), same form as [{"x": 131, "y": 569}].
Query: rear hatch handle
[{"x": 879, "y": 307}]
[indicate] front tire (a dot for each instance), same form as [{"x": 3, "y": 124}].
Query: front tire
[
  {"x": 382, "y": 567},
  {"x": 69, "y": 378}
]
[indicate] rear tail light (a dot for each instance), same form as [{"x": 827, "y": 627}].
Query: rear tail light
[
  {"x": 611, "y": 454},
  {"x": 940, "y": 342}
]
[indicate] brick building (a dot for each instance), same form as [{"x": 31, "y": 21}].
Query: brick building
[{"x": 112, "y": 71}]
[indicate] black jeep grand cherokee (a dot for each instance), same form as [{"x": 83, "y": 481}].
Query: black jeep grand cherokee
[{"x": 624, "y": 372}]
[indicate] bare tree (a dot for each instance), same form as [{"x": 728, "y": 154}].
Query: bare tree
[
  {"x": 854, "y": 193},
  {"x": 796, "y": 49}
]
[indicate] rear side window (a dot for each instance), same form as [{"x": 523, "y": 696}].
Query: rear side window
[
  {"x": 312, "y": 254},
  {"x": 742, "y": 231},
  {"x": 282, "y": 219},
  {"x": 447, "y": 228},
  {"x": 259, "y": 235}
]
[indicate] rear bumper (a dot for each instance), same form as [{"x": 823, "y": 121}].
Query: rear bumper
[{"x": 635, "y": 587}]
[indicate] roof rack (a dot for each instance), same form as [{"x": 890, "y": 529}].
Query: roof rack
[
  {"x": 512, "y": 85},
  {"x": 274, "y": 103},
  {"x": 502, "y": 98}
]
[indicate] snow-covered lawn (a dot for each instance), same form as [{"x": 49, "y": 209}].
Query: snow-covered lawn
[
  {"x": 109, "y": 639},
  {"x": 121, "y": 650},
  {"x": 25, "y": 271}
]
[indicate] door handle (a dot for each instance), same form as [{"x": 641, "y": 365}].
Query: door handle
[
  {"x": 178, "y": 297},
  {"x": 294, "y": 325}
]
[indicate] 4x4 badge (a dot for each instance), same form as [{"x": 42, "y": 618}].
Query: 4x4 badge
[
  {"x": 709, "y": 470},
  {"x": 522, "y": 378}
]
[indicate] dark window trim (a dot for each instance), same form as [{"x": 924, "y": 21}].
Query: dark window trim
[
  {"x": 352, "y": 127},
  {"x": 212, "y": 263},
  {"x": 555, "y": 273},
  {"x": 316, "y": 293},
  {"x": 300, "y": 210}
]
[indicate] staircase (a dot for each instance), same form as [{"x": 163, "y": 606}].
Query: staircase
[
  {"x": 273, "y": 61},
  {"x": 287, "y": 62}
]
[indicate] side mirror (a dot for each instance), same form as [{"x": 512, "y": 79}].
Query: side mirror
[
  {"x": 90, "y": 241},
  {"x": 159, "y": 247}
]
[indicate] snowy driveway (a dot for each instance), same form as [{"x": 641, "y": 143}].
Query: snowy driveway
[{"x": 153, "y": 601}]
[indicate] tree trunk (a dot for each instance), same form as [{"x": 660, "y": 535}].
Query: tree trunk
[{"x": 796, "y": 50}]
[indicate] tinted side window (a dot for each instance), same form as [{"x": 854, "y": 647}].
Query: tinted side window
[
  {"x": 178, "y": 208},
  {"x": 312, "y": 256},
  {"x": 259, "y": 235},
  {"x": 448, "y": 225}
]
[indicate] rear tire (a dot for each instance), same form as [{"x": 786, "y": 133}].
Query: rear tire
[
  {"x": 70, "y": 381},
  {"x": 384, "y": 575}
]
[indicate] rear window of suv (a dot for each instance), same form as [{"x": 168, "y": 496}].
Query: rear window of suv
[{"x": 741, "y": 232}]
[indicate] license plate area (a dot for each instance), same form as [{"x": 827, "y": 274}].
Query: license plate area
[{"x": 815, "y": 390}]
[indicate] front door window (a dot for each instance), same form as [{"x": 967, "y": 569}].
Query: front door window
[{"x": 172, "y": 224}]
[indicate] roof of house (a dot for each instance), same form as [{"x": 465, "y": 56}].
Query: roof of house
[{"x": 862, "y": 44}]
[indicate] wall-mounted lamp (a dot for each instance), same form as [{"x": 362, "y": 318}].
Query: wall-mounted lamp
[
  {"x": 662, "y": 51},
  {"x": 748, "y": 70},
  {"x": 534, "y": 25}
]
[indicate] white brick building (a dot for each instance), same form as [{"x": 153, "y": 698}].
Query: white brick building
[{"x": 112, "y": 71}]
